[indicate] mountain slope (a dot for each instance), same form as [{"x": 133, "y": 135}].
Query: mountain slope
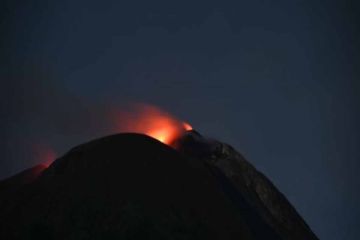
[{"x": 248, "y": 188}]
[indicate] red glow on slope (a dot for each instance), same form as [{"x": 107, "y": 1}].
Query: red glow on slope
[
  {"x": 48, "y": 157},
  {"x": 44, "y": 154},
  {"x": 153, "y": 122}
]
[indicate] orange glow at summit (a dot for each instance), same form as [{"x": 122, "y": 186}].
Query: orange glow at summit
[{"x": 153, "y": 122}]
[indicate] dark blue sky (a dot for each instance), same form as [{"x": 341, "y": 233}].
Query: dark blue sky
[{"x": 278, "y": 80}]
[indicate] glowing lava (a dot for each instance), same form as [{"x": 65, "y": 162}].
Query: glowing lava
[
  {"x": 187, "y": 126},
  {"x": 153, "y": 122}
]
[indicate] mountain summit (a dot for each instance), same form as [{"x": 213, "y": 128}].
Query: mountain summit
[{"x": 131, "y": 186}]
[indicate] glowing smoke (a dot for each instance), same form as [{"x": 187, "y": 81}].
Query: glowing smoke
[{"x": 153, "y": 122}]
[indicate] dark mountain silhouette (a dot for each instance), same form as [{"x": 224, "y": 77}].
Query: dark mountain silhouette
[
  {"x": 130, "y": 186},
  {"x": 14, "y": 183}
]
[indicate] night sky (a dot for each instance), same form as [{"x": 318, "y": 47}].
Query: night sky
[{"x": 278, "y": 80}]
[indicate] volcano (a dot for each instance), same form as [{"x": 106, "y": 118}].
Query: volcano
[{"x": 132, "y": 186}]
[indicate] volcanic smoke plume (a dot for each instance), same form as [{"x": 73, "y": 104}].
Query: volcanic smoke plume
[{"x": 151, "y": 121}]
